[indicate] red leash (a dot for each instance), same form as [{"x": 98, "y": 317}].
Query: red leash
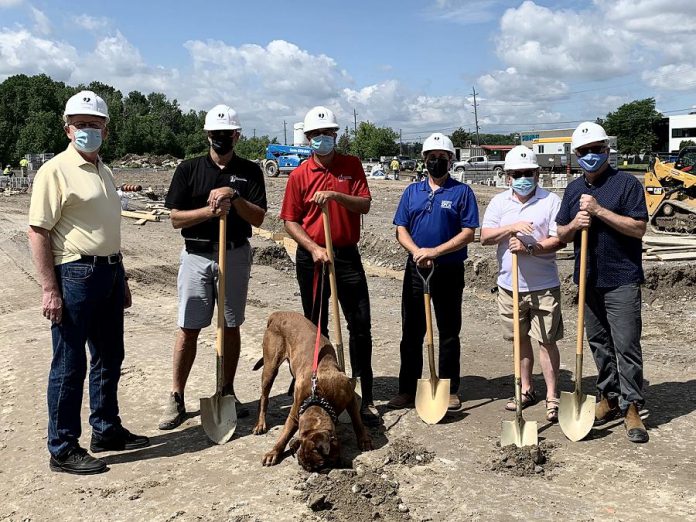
[{"x": 317, "y": 342}]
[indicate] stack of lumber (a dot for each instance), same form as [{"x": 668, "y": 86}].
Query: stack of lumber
[{"x": 669, "y": 248}]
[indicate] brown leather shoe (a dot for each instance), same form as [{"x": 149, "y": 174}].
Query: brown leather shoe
[
  {"x": 606, "y": 410},
  {"x": 454, "y": 402},
  {"x": 401, "y": 401},
  {"x": 635, "y": 429}
]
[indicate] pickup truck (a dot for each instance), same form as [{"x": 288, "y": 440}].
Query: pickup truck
[{"x": 478, "y": 163}]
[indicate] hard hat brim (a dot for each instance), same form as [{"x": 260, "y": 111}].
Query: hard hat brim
[
  {"x": 520, "y": 166},
  {"x": 87, "y": 112},
  {"x": 222, "y": 127}
]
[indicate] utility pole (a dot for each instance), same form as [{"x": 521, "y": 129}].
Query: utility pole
[
  {"x": 254, "y": 133},
  {"x": 355, "y": 122},
  {"x": 401, "y": 145},
  {"x": 285, "y": 131},
  {"x": 478, "y": 143}
]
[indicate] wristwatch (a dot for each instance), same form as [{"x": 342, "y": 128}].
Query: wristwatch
[{"x": 530, "y": 249}]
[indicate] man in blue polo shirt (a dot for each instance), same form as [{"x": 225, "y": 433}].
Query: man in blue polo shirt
[
  {"x": 435, "y": 220},
  {"x": 612, "y": 205}
]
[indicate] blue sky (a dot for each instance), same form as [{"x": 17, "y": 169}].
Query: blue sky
[{"x": 405, "y": 64}]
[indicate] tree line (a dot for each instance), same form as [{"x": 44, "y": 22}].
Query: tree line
[{"x": 31, "y": 109}]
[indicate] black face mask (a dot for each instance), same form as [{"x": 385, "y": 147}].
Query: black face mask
[
  {"x": 222, "y": 143},
  {"x": 437, "y": 167}
]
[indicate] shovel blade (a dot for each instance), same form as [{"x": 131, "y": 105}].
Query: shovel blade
[
  {"x": 432, "y": 399},
  {"x": 219, "y": 417},
  {"x": 520, "y": 433},
  {"x": 576, "y": 414}
]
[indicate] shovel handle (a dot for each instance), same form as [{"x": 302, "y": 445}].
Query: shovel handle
[
  {"x": 516, "y": 348},
  {"x": 334, "y": 291},
  {"x": 222, "y": 266},
  {"x": 430, "y": 345},
  {"x": 581, "y": 291}
]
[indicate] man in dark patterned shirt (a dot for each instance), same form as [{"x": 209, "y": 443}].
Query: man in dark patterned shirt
[{"x": 611, "y": 204}]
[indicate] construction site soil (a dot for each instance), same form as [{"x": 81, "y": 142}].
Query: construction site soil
[{"x": 452, "y": 471}]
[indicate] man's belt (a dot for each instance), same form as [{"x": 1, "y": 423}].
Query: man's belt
[
  {"x": 206, "y": 246},
  {"x": 113, "y": 259}
]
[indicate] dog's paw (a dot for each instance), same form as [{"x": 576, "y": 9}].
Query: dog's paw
[
  {"x": 260, "y": 429},
  {"x": 366, "y": 444},
  {"x": 270, "y": 458}
]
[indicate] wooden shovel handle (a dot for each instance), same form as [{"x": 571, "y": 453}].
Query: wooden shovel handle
[
  {"x": 581, "y": 291},
  {"x": 222, "y": 262},
  {"x": 332, "y": 282},
  {"x": 430, "y": 344},
  {"x": 516, "y": 315}
]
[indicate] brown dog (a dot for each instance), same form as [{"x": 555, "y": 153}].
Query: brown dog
[{"x": 290, "y": 336}]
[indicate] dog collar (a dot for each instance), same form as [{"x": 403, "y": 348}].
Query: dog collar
[{"x": 316, "y": 400}]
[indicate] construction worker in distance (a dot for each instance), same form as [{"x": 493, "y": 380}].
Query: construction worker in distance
[
  {"x": 394, "y": 167},
  {"x": 8, "y": 170},
  {"x": 23, "y": 163},
  {"x": 202, "y": 189},
  {"x": 435, "y": 220},
  {"x": 75, "y": 238},
  {"x": 419, "y": 170},
  {"x": 337, "y": 180},
  {"x": 611, "y": 204},
  {"x": 522, "y": 221}
]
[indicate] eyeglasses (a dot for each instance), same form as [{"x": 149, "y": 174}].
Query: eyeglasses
[
  {"x": 597, "y": 149},
  {"x": 429, "y": 204},
  {"x": 319, "y": 132},
  {"x": 222, "y": 133},
  {"x": 517, "y": 174},
  {"x": 81, "y": 125}
]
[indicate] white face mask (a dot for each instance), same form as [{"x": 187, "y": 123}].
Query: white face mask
[{"x": 87, "y": 140}]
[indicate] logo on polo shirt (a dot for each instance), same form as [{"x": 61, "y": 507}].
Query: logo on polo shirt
[
  {"x": 234, "y": 178},
  {"x": 446, "y": 204},
  {"x": 344, "y": 178}
]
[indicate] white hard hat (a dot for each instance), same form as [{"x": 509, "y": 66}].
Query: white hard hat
[
  {"x": 86, "y": 102},
  {"x": 222, "y": 117},
  {"x": 438, "y": 141},
  {"x": 319, "y": 118},
  {"x": 521, "y": 158},
  {"x": 587, "y": 132}
]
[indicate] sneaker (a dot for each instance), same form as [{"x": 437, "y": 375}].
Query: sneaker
[
  {"x": 606, "y": 410},
  {"x": 78, "y": 462},
  {"x": 369, "y": 414},
  {"x": 635, "y": 429},
  {"x": 401, "y": 401},
  {"x": 123, "y": 440},
  {"x": 454, "y": 402},
  {"x": 174, "y": 412}
]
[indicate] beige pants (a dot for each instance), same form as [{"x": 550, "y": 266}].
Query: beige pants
[{"x": 540, "y": 314}]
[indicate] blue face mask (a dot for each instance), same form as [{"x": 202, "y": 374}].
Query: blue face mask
[
  {"x": 524, "y": 185},
  {"x": 322, "y": 144},
  {"x": 591, "y": 162},
  {"x": 88, "y": 140}
]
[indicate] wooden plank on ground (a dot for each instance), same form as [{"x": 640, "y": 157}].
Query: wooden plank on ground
[
  {"x": 139, "y": 215},
  {"x": 669, "y": 241},
  {"x": 677, "y": 257}
]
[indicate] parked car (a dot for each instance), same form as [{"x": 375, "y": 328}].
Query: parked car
[
  {"x": 406, "y": 163},
  {"x": 478, "y": 163}
]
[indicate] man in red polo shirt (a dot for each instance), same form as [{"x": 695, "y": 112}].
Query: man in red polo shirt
[{"x": 336, "y": 180}]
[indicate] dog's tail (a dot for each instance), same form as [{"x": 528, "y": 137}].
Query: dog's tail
[{"x": 258, "y": 364}]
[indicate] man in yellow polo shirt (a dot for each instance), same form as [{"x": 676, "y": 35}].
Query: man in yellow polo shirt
[
  {"x": 75, "y": 237},
  {"x": 23, "y": 163}
]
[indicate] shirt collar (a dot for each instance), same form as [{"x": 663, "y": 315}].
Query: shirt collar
[
  {"x": 449, "y": 183},
  {"x": 212, "y": 164},
  {"x": 537, "y": 195},
  {"x": 77, "y": 159},
  {"x": 315, "y": 167}
]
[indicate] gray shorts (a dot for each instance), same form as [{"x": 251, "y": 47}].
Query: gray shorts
[{"x": 197, "y": 285}]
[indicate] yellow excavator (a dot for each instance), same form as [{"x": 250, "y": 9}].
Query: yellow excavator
[{"x": 670, "y": 193}]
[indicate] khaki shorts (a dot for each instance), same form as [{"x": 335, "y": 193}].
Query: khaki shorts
[
  {"x": 540, "y": 314},
  {"x": 197, "y": 285}
]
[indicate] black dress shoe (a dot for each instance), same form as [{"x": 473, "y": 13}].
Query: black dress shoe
[
  {"x": 123, "y": 440},
  {"x": 78, "y": 462}
]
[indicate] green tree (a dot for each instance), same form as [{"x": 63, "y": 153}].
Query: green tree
[
  {"x": 253, "y": 148},
  {"x": 372, "y": 142},
  {"x": 686, "y": 143},
  {"x": 460, "y": 138},
  {"x": 633, "y": 125},
  {"x": 343, "y": 144}
]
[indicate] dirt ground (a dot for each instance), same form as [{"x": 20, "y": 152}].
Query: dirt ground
[{"x": 451, "y": 471}]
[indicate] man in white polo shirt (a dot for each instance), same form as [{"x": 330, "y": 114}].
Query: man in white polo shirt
[{"x": 523, "y": 220}]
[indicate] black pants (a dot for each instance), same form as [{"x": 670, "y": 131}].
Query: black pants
[
  {"x": 446, "y": 288},
  {"x": 353, "y": 296}
]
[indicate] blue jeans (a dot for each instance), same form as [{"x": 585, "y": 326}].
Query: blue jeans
[
  {"x": 613, "y": 324},
  {"x": 93, "y": 298}
]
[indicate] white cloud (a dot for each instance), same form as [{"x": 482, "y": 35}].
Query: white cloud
[
  {"x": 9, "y": 3},
  {"x": 510, "y": 85},
  {"x": 23, "y": 53},
  {"x": 91, "y": 23},
  {"x": 42, "y": 24},
  {"x": 676, "y": 77},
  {"x": 466, "y": 12}
]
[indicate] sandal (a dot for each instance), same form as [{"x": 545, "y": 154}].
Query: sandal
[
  {"x": 529, "y": 398},
  {"x": 552, "y": 409}
]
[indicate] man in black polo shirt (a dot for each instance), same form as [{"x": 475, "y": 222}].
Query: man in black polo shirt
[
  {"x": 611, "y": 204},
  {"x": 201, "y": 190}
]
